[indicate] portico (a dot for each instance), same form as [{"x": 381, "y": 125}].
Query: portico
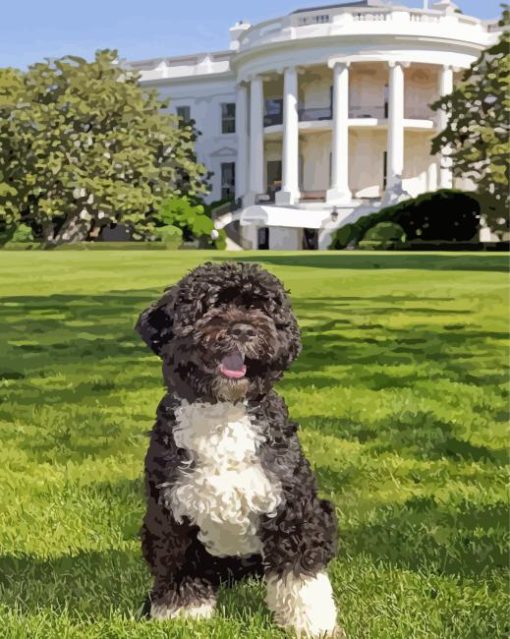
[{"x": 343, "y": 115}]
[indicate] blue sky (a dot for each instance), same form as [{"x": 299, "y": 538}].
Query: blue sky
[{"x": 31, "y": 30}]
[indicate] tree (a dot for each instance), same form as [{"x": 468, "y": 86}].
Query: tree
[
  {"x": 83, "y": 145},
  {"x": 477, "y": 132}
]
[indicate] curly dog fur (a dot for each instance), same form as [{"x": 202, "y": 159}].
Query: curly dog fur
[{"x": 229, "y": 491}]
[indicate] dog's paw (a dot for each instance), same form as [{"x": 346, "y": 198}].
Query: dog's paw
[
  {"x": 303, "y": 604},
  {"x": 204, "y": 610}
]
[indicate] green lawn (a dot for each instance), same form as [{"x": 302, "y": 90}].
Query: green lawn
[{"x": 401, "y": 391}]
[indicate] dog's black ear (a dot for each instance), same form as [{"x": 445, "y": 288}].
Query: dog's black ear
[{"x": 155, "y": 323}]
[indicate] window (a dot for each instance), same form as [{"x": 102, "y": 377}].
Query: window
[
  {"x": 385, "y": 170},
  {"x": 386, "y": 100},
  {"x": 184, "y": 113},
  {"x": 228, "y": 117},
  {"x": 228, "y": 179}
]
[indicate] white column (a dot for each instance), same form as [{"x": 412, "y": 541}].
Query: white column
[
  {"x": 289, "y": 193},
  {"x": 242, "y": 140},
  {"x": 445, "y": 170},
  {"x": 395, "y": 126},
  {"x": 256, "y": 184},
  {"x": 339, "y": 191}
]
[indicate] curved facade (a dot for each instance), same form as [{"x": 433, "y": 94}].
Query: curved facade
[{"x": 323, "y": 110}]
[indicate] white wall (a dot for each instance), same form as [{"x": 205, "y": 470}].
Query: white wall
[
  {"x": 204, "y": 97},
  {"x": 366, "y": 89},
  {"x": 421, "y": 86},
  {"x": 314, "y": 87},
  {"x": 366, "y": 161},
  {"x": 284, "y": 239},
  {"x": 419, "y": 165},
  {"x": 315, "y": 149}
]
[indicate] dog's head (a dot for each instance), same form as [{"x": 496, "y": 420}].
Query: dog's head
[{"x": 225, "y": 332}]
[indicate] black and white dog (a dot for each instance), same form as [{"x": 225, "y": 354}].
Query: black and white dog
[{"x": 229, "y": 491}]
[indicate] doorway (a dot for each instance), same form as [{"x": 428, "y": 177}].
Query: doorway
[
  {"x": 310, "y": 240},
  {"x": 274, "y": 176},
  {"x": 263, "y": 238}
]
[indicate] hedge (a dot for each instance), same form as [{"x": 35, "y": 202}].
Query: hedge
[{"x": 446, "y": 214}]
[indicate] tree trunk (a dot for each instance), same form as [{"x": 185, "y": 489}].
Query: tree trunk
[
  {"x": 48, "y": 233},
  {"x": 74, "y": 229}
]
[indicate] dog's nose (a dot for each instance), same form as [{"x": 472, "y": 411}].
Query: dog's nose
[{"x": 244, "y": 332}]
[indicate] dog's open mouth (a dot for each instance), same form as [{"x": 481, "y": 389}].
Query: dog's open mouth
[{"x": 233, "y": 366}]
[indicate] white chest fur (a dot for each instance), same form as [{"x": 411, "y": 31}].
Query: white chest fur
[{"x": 227, "y": 490}]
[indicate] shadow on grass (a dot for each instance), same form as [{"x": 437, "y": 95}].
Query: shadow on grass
[
  {"x": 99, "y": 584},
  {"x": 86, "y": 583},
  {"x": 468, "y": 540},
  {"x": 417, "y": 434},
  {"x": 81, "y": 350},
  {"x": 348, "y": 260}
]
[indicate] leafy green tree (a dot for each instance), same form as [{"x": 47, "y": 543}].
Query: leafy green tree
[
  {"x": 477, "y": 133},
  {"x": 83, "y": 145}
]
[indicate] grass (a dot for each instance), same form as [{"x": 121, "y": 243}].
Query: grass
[{"x": 401, "y": 392}]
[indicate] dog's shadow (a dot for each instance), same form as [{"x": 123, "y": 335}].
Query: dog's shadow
[
  {"x": 99, "y": 584},
  {"x": 239, "y": 601}
]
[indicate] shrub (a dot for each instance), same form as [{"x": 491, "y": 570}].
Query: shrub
[
  {"x": 385, "y": 235},
  {"x": 220, "y": 243},
  {"x": 22, "y": 234},
  {"x": 111, "y": 246},
  {"x": 171, "y": 235},
  {"x": 442, "y": 215},
  {"x": 188, "y": 216},
  {"x": 343, "y": 237},
  {"x": 386, "y": 231}
]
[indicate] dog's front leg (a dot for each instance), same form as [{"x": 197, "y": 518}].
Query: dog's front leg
[
  {"x": 174, "y": 554},
  {"x": 297, "y": 545}
]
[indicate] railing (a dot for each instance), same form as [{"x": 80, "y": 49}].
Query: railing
[
  {"x": 318, "y": 113},
  {"x": 226, "y": 207},
  {"x": 371, "y": 16},
  {"x": 422, "y": 16},
  {"x": 278, "y": 29},
  {"x": 320, "y": 18},
  {"x": 493, "y": 26},
  {"x": 271, "y": 119},
  {"x": 232, "y": 230},
  {"x": 379, "y": 112}
]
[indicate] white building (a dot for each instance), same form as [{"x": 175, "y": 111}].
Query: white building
[{"x": 322, "y": 111}]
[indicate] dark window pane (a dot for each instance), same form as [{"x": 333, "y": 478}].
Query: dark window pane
[{"x": 228, "y": 117}]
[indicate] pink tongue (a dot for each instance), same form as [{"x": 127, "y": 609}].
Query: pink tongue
[{"x": 233, "y": 366}]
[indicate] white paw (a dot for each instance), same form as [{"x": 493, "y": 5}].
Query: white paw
[
  {"x": 203, "y": 610},
  {"x": 304, "y": 604}
]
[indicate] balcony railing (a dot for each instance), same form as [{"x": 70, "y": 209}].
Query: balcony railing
[
  {"x": 271, "y": 119},
  {"x": 319, "y": 113},
  {"x": 379, "y": 112},
  {"x": 304, "y": 115}
]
